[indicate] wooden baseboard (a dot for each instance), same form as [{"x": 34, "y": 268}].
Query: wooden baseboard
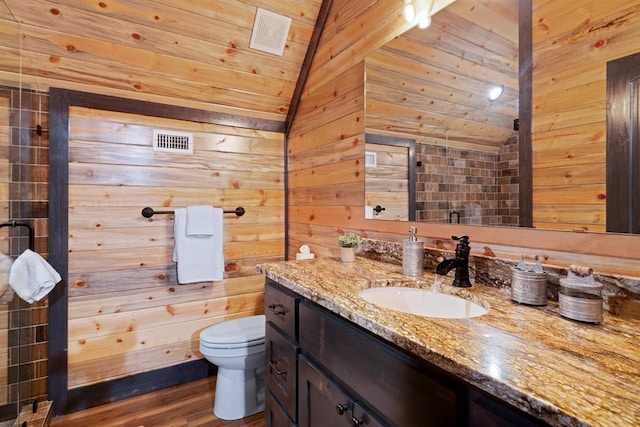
[{"x": 136, "y": 385}]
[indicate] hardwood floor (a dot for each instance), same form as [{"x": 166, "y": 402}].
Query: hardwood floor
[{"x": 188, "y": 405}]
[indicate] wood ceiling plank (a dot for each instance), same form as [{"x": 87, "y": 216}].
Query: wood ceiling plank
[{"x": 76, "y": 71}]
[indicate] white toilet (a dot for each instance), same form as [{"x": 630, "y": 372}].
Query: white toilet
[{"x": 237, "y": 348}]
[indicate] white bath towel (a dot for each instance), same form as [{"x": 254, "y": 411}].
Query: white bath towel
[
  {"x": 199, "y": 258},
  {"x": 5, "y": 267},
  {"x": 31, "y": 277},
  {"x": 200, "y": 220}
]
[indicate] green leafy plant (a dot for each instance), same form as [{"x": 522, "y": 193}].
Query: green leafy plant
[{"x": 348, "y": 240}]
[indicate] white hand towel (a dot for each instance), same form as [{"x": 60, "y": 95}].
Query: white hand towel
[
  {"x": 5, "y": 267},
  {"x": 31, "y": 277},
  {"x": 200, "y": 258},
  {"x": 200, "y": 220},
  {"x": 368, "y": 212}
]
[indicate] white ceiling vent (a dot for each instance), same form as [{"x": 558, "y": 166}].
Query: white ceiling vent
[
  {"x": 172, "y": 142},
  {"x": 270, "y": 32}
]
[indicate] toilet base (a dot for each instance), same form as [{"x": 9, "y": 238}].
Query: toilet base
[{"x": 239, "y": 393}]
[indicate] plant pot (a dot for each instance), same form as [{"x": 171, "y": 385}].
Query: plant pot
[{"x": 348, "y": 254}]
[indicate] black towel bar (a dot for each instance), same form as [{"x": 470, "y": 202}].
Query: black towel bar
[
  {"x": 149, "y": 212},
  {"x": 14, "y": 223}
]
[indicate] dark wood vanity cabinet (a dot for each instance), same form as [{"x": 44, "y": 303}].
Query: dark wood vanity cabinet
[{"x": 325, "y": 371}]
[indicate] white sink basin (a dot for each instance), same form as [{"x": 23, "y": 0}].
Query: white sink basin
[{"x": 422, "y": 302}]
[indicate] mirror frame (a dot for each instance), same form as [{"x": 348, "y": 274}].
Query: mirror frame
[{"x": 525, "y": 113}]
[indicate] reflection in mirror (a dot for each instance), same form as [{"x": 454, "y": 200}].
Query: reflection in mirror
[
  {"x": 433, "y": 86},
  {"x": 390, "y": 171}
]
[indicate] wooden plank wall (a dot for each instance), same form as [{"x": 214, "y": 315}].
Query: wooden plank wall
[
  {"x": 430, "y": 85},
  {"x": 327, "y": 141},
  {"x": 127, "y": 314},
  {"x": 572, "y": 41}
]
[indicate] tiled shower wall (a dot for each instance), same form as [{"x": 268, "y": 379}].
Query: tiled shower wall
[
  {"x": 508, "y": 182},
  {"x": 26, "y": 148},
  {"x": 470, "y": 187}
]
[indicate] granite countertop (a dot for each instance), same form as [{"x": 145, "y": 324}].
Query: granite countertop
[{"x": 565, "y": 372}]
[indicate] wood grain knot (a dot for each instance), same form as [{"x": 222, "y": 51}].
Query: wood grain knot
[{"x": 600, "y": 43}]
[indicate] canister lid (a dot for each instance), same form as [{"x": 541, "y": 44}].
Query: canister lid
[
  {"x": 523, "y": 273},
  {"x": 577, "y": 284}
]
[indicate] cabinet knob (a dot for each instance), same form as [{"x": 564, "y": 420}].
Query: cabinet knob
[
  {"x": 356, "y": 422},
  {"x": 340, "y": 409},
  {"x": 277, "y": 309}
]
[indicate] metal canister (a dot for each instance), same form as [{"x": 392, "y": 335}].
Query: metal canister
[
  {"x": 528, "y": 287},
  {"x": 580, "y": 301}
]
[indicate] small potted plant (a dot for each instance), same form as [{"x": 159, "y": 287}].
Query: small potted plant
[{"x": 348, "y": 243}]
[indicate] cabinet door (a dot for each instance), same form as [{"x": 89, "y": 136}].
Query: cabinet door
[
  {"x": 322, "y": 403},
  {"x": 274, "y": 415},
  {"x": 486, "y": 412}
]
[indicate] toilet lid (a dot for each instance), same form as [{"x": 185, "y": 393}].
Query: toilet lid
[{"x": 237, "y": 331}]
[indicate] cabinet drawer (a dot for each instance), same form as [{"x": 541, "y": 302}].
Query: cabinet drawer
[
  {"x": 323, "y": 403},
  {"x": 281, "y": 308},
  {"x": 281, "y": 368},
  {"x": 274, "y": 415},
  {"x": 380, "y": 374}
]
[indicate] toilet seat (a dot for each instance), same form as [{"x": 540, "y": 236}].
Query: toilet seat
[{"x": 242, "y": 332}]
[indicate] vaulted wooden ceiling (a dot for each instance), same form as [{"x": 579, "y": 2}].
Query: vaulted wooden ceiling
[
  {"x": 192, "y": 53},
  {"x": 432, "y": 84},
  {"x": 195, "y": 53}
]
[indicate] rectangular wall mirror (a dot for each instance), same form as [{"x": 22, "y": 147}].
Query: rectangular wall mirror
[{"x": 432, "y": 86}]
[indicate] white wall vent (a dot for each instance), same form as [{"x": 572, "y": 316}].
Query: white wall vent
[
  {"x": 169, "y": 141},
  {"x": 270, "y": 32},
  {"x": 370, "y": 159}
]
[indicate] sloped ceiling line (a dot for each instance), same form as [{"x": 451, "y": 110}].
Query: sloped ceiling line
[{"x": 306, "y": 65}]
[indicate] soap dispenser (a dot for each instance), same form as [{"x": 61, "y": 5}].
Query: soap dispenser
[{"x": 412, "y": 255}]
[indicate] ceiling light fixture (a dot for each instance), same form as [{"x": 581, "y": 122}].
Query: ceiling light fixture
[
  {"x": 418, "y": 12},
  {"x": 424, "y": 19},
  {"x": 495, "y": 92},
  {"x": 409, "y": 11}
]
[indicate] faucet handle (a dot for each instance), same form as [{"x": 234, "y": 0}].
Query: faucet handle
[{"x": 463, "y": 247}]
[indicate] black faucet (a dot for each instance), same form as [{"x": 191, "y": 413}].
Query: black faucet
[{"x": 460, "y": 263}]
